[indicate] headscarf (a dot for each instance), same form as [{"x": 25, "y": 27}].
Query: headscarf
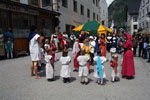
[
  {"x": 128, "y": 44},
  {"x": 128, "y": 36}
]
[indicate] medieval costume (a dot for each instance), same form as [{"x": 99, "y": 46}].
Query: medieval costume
[
  {"x": 128, "y": 61},
  {"x": 87, "y": 49},
  {"x": 49, "y": 68},
  {"x": 64, "y": 43},
  {"x": 102, "y": 46},
  {"x": 54, "y": 37},
  {"x": 76, "y": 53}
]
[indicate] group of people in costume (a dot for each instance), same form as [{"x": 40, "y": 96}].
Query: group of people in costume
[
  {"x": 110, "y": 43},
  {"x": 86, "y": 52}
]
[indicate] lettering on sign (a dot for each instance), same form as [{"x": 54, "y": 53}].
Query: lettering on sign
[{"x": 18, "y": 9}]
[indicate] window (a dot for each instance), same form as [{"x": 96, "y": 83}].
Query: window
[
  {"x": 134, "y": 19},
  {"x": 88, "y": 13},
  {"x": 143, "y": 12},
  {"x": 93, "y": 1},
  {"x": 143, "y": 25},
  {"x": 65, "y": 3},
  {"x": 82, "y": 10},
  {"x": 96, "y": 2},
  {"x": 93, "y": 15},
  {"x": 147, "y": 24},
  {"x": 34, "y": 2},
  {"x": 97, "y": 17},
  {"x": 135, "y": 27},
  {"x": 75, "y": 6},
  {"x": 147, "y": 8},
  {"x": 46, "y": 3}
]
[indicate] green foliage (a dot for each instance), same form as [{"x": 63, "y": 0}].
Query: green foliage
[{"x": 117, "y": 12}]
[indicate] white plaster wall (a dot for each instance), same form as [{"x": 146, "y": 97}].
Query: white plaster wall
[
  {"x": 104, "y": 11},
  {"x": 68, "y": 16},
  {"x": 144, "y": 18}
]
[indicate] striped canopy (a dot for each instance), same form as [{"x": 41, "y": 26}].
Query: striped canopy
[{"x": 93, "y": 27}]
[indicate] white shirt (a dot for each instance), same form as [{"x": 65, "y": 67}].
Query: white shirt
[
  {"x": 48, "y": 58},
  {"x": 103, "y": 59},
  {"x": 34, "y": 48},
  {"x": 72, "y": 37},
  {"x": 65, "y": 35},
  {"x": 65, "y": 60},
  {"x": 83, "y": 60},
  {"x": 92, "y": 46}
]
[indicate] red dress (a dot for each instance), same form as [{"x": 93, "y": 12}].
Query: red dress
[
  {"x": 103, "y": 47},
  {"x": 128, "y": 61},
  {"x": 76, "y": 63},
  {"x": 64, "y": 44},
  {"x": 53, "y": 47}
]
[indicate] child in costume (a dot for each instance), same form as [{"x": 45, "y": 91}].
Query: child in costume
[
  {"x": 115, "y": 68},
  {"x": 83, "y": 69},
  {"x": 49, "y": 67},
  {"x": 100, "y": 73},
  {"x": 65, "y": 68}
]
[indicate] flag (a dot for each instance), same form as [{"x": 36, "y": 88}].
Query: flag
[{"x": 112, "y": 25}]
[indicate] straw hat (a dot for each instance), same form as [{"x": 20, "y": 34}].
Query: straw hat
[{"x": 91, "y": 37}]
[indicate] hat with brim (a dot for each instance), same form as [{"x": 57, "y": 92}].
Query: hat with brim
[{"x": 91, "y": 37}]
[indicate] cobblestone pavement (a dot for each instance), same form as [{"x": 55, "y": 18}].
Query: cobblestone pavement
[{"x": 16, "y": 83}]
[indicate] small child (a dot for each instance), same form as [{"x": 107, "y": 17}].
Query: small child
[
  {"x": 9, "y": 48},
  {"x": 114, "y": 65},
  {"x": 65, "y": 68},
  {"x": 49, "y": 68},
  {"x": 83, "y": 69},
  {"x": 100, "y": 73},
  {"x": 46, "y": 46}
]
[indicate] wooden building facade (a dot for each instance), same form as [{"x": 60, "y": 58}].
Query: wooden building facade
[{"x": 20, "y": 17}]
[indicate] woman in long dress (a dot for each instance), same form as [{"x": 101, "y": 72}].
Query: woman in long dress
[
  {"x": 128, "y": 70},
  {"x": 102, "y": 45},
  {"x": 76, "y": 53}
]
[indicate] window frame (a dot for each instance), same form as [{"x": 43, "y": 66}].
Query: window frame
[
  {"x": 81, "y": 9},
  {"x": 65, "y": 3},
  {"x": 75, "y": 7}
]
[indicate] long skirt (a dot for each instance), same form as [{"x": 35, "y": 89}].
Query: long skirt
[
  {"x": 76, "y": 63},
  {"x": 103, "y": 50},
  {"x": 49, "y": 71},
  {"x": 128, "y": 64}
]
